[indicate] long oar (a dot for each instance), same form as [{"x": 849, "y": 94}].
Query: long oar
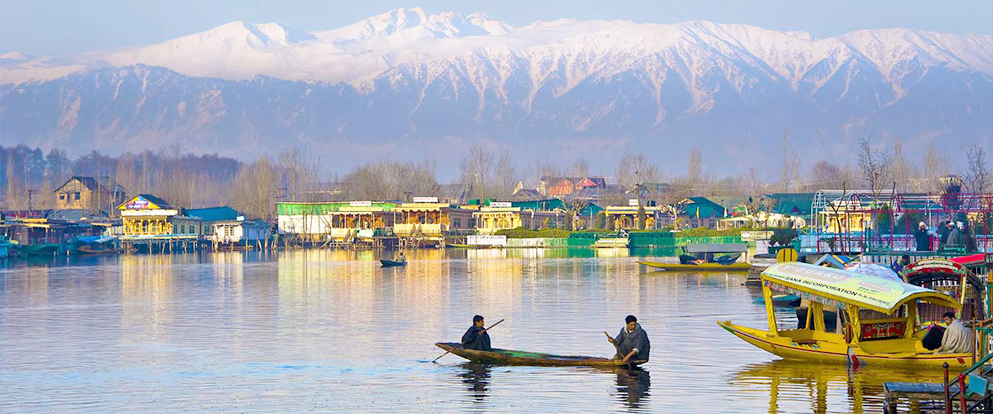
[
  {"x": 612, "y": 343},
  {"x": 484, "y": 331},
  {"x": 616, "y": 347}
]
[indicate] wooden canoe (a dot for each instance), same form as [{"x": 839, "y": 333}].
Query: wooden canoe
[
  {"x": 509, "y": 357},
  {"x": 702, "y": 267},
  {"x": 392, "y": 263}
]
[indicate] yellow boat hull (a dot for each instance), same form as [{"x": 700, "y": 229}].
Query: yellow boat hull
[
  {"x": 703, "y": 267},
  {"x": 831, "y": 348}
]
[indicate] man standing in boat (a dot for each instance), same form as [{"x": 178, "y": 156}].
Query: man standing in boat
[
  {"x": 632, "y": 342},
  {"x": 476, "y": 337}
]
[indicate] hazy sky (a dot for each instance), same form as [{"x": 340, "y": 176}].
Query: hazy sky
[{"x": 53, "y": 27}]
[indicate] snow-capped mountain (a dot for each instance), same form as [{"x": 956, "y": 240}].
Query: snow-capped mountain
[{"x": 406, "y": 78}]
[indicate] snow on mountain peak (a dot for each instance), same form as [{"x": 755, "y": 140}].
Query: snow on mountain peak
[{"x": 360, "y": 52}]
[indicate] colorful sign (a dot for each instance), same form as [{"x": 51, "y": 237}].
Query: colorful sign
[
  {"x": 866, "y": 291},
  {"x": 934, "y": 266},
  {"x": 139, "y": 203}
]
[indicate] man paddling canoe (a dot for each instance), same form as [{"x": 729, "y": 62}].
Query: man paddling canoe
[
  {"x": 476, "y": 337},
  {"x": 632, "y": 342}
]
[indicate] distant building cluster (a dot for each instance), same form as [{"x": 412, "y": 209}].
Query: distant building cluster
[{"x": 447, "y": 212}]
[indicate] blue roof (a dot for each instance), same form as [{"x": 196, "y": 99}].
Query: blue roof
[{"x": 213, "y": 213}]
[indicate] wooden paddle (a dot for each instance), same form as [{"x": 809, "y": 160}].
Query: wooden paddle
[
  {"x": 617, "y": 348},
  {"x": 484, "y": 331},
  {"x": 615, "y": 345}
]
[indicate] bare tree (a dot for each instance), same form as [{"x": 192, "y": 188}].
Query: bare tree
[
  {"x": 760, "y": 208},
  {"x": 978, "y": 176},
  {"x": 694, "y": 167},
  {"x": 674, "y": 200},
  {"x": 505, "y": 176},
  {"x": 580, "y": 168},
  {"x": 790, "y": 176},
  {"x": 255, "y": 188},
  {"x": 477, "y": 168},
  {"x": 935, "y": 166},
  {"x": 636, "y": 169},
  {"x": 875, "y": 166},
  {"x": 900, "y": 171},
  {"x": 825, "y": 175}
]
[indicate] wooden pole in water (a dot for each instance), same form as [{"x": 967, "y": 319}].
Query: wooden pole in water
[{"x": 484, "y": 331}]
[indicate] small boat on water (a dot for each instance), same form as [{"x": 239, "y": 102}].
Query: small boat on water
[
  {"x": 701, "y": 267},
  {"x": 97, "y": 245},
  {"x": 40, "y": 249},
  {"x": 392, "y": 263},
  {"x": 708, "y": 258},
  {"x": 509, "y": 357}
]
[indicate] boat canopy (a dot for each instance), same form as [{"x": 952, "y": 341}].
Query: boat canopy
[
  {"x": 839, "y": 288},
  {"x": 717, "y": 248},
  {"x": 874, "y": 270}
]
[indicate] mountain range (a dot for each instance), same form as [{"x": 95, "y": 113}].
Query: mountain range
[{"x": 406, "y": 84}]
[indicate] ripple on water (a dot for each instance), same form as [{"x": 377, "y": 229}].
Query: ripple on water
[{"x": 313, "y": 330}]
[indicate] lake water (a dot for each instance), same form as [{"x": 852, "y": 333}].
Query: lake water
[{"x": 332, "y": 331}]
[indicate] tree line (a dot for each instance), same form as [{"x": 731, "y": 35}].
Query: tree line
[{"x": 29, "y": 176}]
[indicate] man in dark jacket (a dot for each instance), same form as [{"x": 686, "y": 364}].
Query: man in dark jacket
[
  {"x": 632, "y": 342},
  {"x": 943, "y": 233},
  {"x": 923, "y": 239},
  {"x": 476, "y": 337}
]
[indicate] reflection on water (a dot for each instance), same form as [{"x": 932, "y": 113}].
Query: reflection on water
[
  {"x": 633, "y": 385},
  {"x": 476, "y": 377},
  {"x": 331, "y": 330}
]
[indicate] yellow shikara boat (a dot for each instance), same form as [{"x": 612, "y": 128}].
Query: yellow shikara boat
[
  {"x": 879, "y": 319},
  {"x": 702, "y": 267}
]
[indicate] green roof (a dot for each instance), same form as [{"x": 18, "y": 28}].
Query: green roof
[
  {"x": 212, "y": 213},
  {"x": 702, "y": 207},
  {"x": 590, "y": 210},
  {"x": 792, "y": 204},
  {"x": 291, "y": 208},
  {"x": 540, "y": 205}
]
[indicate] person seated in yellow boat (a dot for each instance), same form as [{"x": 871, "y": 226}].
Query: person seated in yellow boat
[
  {"x": 632, "y": 342},
  {"x": 957, "y": 337},
  {"x": 476, "y": 337}
]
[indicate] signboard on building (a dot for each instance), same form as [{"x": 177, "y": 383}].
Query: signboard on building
[
  {"x": 633, "y": 202},
  {"x": 138, "y": 203},
  {"x": 755, "y": 235},
  {"x": 425, "y": 199},
  {"x": 500, "y": 204},
  {"x": 360, "y": 204},
  {"x": 486, "y": 240}
]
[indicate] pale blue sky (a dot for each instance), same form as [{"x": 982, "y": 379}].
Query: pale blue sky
[{"x": 54, "y": 27}]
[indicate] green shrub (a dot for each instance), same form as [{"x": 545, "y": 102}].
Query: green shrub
[{"x": 522, "y": 233}]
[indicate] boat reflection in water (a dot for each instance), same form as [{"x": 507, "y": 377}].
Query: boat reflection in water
[
  {"x": 821, "y": 383},
  {"x": 476, "y": 377},
  {"x": 632, "y": 386}
]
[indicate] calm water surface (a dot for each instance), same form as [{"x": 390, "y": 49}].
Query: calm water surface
[{"x": 320, "y": 331}]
